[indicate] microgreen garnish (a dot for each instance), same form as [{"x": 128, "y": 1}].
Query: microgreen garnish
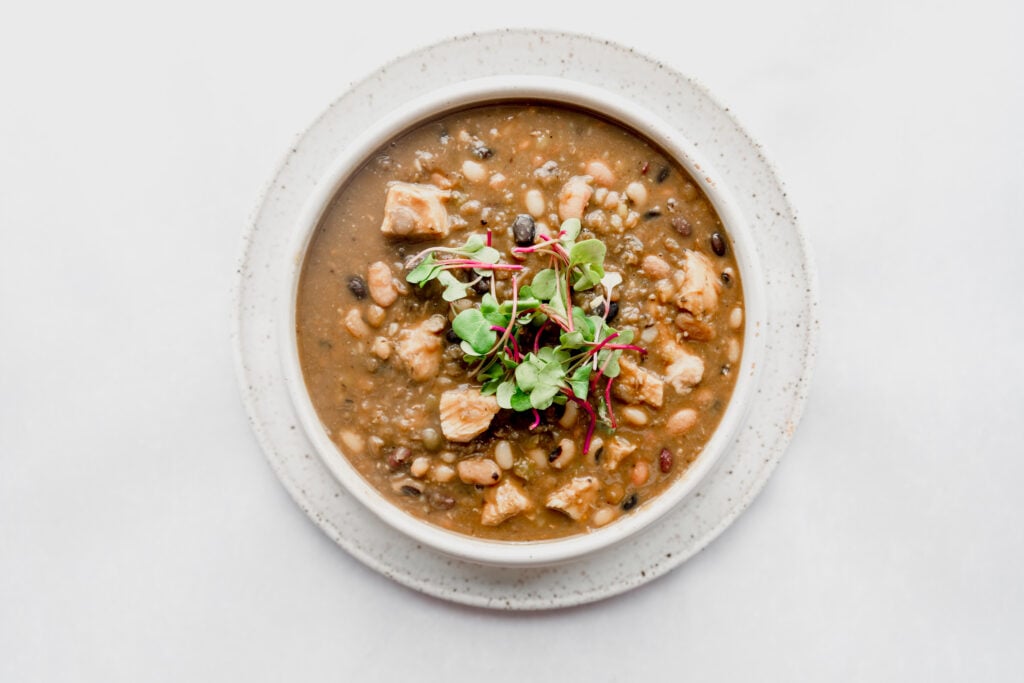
[{"x": 572, "y": 352}]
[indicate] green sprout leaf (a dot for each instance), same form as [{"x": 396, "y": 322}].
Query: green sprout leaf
[
  {"x": 543, "y": 285},
  {"x": 474, "y": 329}
]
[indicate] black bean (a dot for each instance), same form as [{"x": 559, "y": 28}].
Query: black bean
[
  {"x": 653, "y": 213},
  {"x": 613, "y": 311},
  {"x": 483, "y": 152},
  {"x": 451, "y": 337},
  {"x": 411, "y": 490},
  {"x": 553, "y": 455},
  {"x": 630, "y": 502},
  {"x": 482, "y": 286},
  {"x": 524, "y": 230},
  {"x": 598, "y": 454},
  {"x": 682, "y": 226},
  {"x": 726, "y": 279},
  {"x": 357, "y": 286},
  {"x": 662, "y": 174},
  {"x": 718, "y": 244},
  {"x": 665, "y": 461}
]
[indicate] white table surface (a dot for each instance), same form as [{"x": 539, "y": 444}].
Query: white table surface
[{"x": 144, "y": 537}]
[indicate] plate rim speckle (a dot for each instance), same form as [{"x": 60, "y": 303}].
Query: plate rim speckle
[{"x": 792, "y": 331}]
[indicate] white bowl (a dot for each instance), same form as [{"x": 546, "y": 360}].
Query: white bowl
[{"x": 559, "y": 91}]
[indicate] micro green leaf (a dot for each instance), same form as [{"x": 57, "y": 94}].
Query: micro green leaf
[
  {"x": 504, "y": 394},
  {"x": 472, "y": 327},
  {"x": 571, "y": 228},
  {"x": 543, "y": 285},
  {"x": 580, "y": 381}
]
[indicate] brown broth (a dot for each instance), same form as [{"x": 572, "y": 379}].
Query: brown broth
[{"x": 370, "y": 406}]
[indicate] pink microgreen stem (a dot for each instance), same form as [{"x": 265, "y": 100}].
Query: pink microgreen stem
[
  {"x": 471, "y": 263},
  {"x": 592, "y": 419},
  {"x": 489, "y": 237},
  {"x": 627, "y": 347},
  {"x": 602, "y": 343},
  {"x": 536, "y": 339},
  {"x": 516, "y": 356},
  {"x": 536, "y": 419}
]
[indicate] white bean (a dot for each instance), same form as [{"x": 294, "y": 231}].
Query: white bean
[
  {"x": 381, "y": 284},
  {"x": 736, "y": 318},
  {"x": 637, "y": 193},
  {"x": 600, "y": 172},
  {"x": 474, "y": 171},
  {"x": 503, "y": 455},
  {"x": 733, "y": 350},
  {"x": 479, "y": 471},
  {"x": 681, "y": 422},
  {"x": 535, "y": 204},
  {"x": 420, "y": 466},
  {"x": 355, "y": 325},
  {"x": 568, "y": 418},
  {"x": 604, "y": 516},
  {"x": 566, "y": 452},
  {"x": 381, "y": 348},
  {"x": 352, "y": 442},
  {"x": 442, "y": 473},
  {"x": 634, "y": 416},
  {"x": 375, "y": 315}
]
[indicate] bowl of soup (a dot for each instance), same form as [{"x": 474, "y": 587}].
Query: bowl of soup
[{"x": 522, "y": 319}]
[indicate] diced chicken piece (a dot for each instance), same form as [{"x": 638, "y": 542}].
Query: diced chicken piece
[
  {"x": 693, "y": 328},
  {"x": 638, "y": 385},
  {"x": 505, "y": 500},
  {"x": 698, "y": 293},
  {"x": 466, "y": 414},
  {"x": 412, "y": 210},
  {"x": 576, "y": 498},
  {"x": 420, "y": 350},
  {"x": 381, "y": 284},
  {"x": 685, "y": 370},
  {"x": 574, "y": 197},
  {"x": 615, "y": 451}
]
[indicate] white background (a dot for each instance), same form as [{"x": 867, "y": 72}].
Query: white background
[{"x": 144, "y": 537}]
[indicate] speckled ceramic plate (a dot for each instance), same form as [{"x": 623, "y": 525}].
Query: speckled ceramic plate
[{"x": 720, "y": 497}]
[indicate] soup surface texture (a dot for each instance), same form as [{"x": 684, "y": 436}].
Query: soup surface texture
[{"x": 520, "y": 321}]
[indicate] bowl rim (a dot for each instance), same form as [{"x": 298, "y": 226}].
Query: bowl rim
[{"x": 556, "y": 91}]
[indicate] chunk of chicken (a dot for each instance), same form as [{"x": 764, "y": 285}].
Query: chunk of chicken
[
  {"x": 576, "y": 498},
  {"x": 574, "y": 197},
  {"x": 419, "y": 349},
  {"x": 615, "y": 451},
  {"x": 466, "y": 414},
  {"x": 638, "y": 385},
  {"x": 685, "y": 370},
  {"x": 698, "y": 293},
  {"x": 412, "y": 210},
  {"x": 505, "y": 500}
]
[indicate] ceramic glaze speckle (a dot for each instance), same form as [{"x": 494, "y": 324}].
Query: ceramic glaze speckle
[{"x": 789, "y": 331}]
